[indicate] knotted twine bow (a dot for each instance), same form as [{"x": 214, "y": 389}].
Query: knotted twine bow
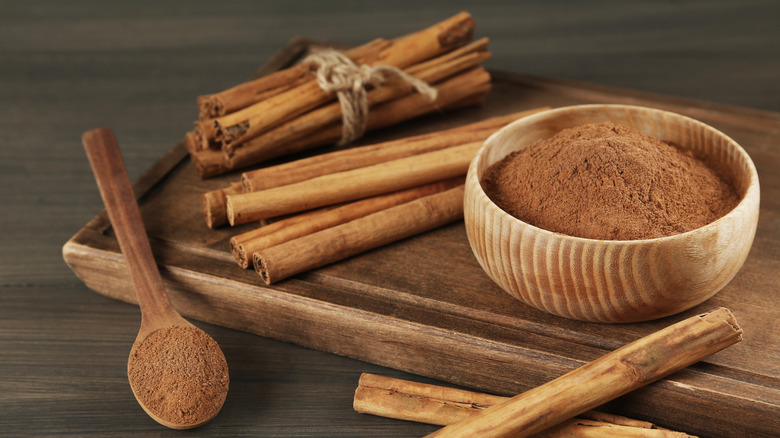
[{"x": 337, "y": 73}]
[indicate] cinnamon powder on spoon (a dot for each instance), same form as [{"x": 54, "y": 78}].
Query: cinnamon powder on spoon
[
  {"x": 609, "y": 182},
  {"x": 179, "y": 374}
]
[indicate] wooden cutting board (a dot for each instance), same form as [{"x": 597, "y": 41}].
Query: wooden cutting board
[{"x": 424, "y": 305}]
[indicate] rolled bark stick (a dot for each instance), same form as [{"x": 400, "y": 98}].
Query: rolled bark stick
[
  {"x": 479, "y": 45},
  {"x": 246, "y": 244},
  {"x": 619, "y": 372},
  {"x": 357, "y": 158},
  {"x": 352, "y": 184},
  {"x": 242, "y": 125},
  {"x": 244, "y": 94},
  {"x": 255, "y": 151},
  {"x": 322, "y": 164},
  {"x": 431, "y": 404},
  {"x": 346, "y": 240},
  {"x": 273, "y": 230},
  {"x": 215, "y": 205},
  {"x": 474, "y": 82}
]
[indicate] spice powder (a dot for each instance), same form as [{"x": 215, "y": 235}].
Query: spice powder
[
  {"x": 609, "y": 182},
  {"x": 179, "y": 374}
]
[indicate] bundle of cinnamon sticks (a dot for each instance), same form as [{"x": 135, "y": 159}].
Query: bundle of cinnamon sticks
[
  {"x": 339, "y": 204},
  {"x": 288, "y": 112}
]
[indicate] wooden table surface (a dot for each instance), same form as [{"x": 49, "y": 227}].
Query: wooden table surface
[{"x": 66, "y": 67}]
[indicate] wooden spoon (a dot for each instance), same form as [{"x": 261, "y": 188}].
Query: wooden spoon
[{"x": 177, "y": 338}]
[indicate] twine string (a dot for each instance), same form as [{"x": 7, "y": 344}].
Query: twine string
[{"x": 338, "y": 74}]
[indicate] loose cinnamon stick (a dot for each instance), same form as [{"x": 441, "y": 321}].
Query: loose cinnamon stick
[
  {"x": 247, "y": 123},
  {"x": 244, "y": 94},
  {"x": 352, "y": 184},
  {"x": 246, "y": 244},
  {"x": 215, "y": 205},
  {"x": 337, "y": 243},
  {"x": 617, "y": 373},
  {"x": 346, "y": 159},
  {"x": 357, "y": 158},
  {"x": 475, "y": 82},
  {"x": 431, "y": 404}
]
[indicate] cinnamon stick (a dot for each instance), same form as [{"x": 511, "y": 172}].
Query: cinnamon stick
[
  {"x": 244, "y": 94},
  {"x": 475, "y": 82},
  {"x": 246, "y": 244},
  {"x": 619, "y": 372},
  {"x": 247, "y": 123},
  {"x": 358, "y": 157},
  {"x": 352, "y": 184},
  {"x": 351, "y": 158},
  {"x": 431, "y": 404},
  {"x": 479, "y": 45},
  {"x": 215, "y": 205},
  {"x": 337, "y": 243}
]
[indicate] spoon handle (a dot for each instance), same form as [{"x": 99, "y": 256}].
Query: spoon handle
[{"x": 123, "y": 212}]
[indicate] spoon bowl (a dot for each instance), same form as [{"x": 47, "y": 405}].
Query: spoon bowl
[{"x": 177, "y": 372}]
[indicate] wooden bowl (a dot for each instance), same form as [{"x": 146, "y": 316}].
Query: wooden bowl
[{"x": 611, "y": 280}]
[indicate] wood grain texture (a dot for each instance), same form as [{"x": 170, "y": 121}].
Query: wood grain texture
[
  {"x": 70, "y": 66},
  {"x": 612, "y": 281}
]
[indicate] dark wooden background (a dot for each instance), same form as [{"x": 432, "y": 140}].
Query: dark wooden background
[{"x": 66, "y": 67}]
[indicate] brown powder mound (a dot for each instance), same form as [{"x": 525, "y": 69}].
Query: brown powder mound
[
  {"x": 608, "y": 182},
  {"x": 180, "y": 375}
]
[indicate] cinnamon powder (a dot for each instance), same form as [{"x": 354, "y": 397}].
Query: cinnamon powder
[
  {"x": 609, "y": 182},
  {"x": 179, "y": 374}
]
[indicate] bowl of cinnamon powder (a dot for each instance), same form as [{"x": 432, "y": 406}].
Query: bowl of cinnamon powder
[{"x": 611, "y": 213}]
